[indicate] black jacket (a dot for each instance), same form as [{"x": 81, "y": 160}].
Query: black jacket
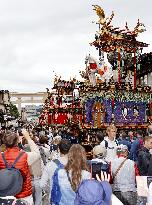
[{"x": 144, "y": 161}]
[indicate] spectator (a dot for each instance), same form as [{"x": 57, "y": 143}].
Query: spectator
[
  {"x": 136, "y": 146},
  {"x": 99, "y": 137},
  {"x": 36, "y": 172},
  {"x": 131, "y": 135},
  {"x": 110, "y": 143},
  {"x": 51, "y": 166},
  {"x": 99, "y": 154},
  {"x": 44, "y": 149},
  {"x": 144, "y": 156},
  {"x": 70, "y": 178},
  {"x": 124, "y": 141},
  {"x": 124, "y": 172},
  {"x": 72, "y": 136},
  {"x": 54, "y": 147},
  {"x": 26, "y": 160}
]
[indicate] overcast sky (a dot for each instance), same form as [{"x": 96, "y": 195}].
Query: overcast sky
[{"x": 38, "y": 37}]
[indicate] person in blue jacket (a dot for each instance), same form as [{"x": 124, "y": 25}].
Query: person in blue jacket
[
  {"x": 136, "y": 146},
  {"x": 125, "y": 141}
]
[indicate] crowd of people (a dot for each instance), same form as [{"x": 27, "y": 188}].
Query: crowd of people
[{"x": 50, "y": 166}]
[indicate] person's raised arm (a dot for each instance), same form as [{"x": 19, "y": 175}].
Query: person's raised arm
[{"x": 34, "y": 154}]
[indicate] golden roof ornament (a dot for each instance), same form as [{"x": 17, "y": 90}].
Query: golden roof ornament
[
  {"x": 108, "y": 38},
  {"x": 100, "y": 12}
]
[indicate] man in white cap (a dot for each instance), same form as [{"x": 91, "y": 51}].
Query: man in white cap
[
  {"x": 98, "y": 162},
  {"x": 124, "y": 172},
  {"x": 99, "y": 153}
]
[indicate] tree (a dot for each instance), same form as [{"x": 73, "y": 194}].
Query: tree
[{"x": 14, "y": 111}]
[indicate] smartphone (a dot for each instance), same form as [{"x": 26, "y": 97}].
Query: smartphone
[{"x": 97, "y": 167}]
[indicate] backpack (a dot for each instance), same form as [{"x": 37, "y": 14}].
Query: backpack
[
  {"x": 106, "y": 144},
  {"x": 55, "y": 192},
  {"x": 43, "y": 155},
  {"x": 11, "y": 179}
]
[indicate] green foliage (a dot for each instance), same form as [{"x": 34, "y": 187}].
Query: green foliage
[{"x": 14, "y": 111}]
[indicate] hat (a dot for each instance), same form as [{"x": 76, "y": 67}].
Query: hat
[
  {"x": 99, "y": 151},
  {"x": 122, "y": 148},
  {"x": 93, "y": 192}
]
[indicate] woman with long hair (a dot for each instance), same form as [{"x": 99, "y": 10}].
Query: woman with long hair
[
  {"x": 71, "y": 176},
  {"x": 77, "y": 165}
]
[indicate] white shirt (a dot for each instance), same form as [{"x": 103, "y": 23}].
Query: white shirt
[{"x": 111, "y": 149}]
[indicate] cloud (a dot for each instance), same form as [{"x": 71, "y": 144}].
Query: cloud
[{"x": 39, "y": 37}]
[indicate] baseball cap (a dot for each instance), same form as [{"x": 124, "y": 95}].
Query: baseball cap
[
  {"x": 122, "y": 148},
  {"x": 99, "y": 151}
]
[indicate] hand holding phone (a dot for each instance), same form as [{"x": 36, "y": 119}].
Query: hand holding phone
[
  {"x": 103, "y": 176},
  {"x": 96, "y": 169}
]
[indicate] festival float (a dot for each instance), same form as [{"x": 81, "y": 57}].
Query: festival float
[
  {"x": 110, "y": 91},
  {"x": 62, "y": 106}
]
